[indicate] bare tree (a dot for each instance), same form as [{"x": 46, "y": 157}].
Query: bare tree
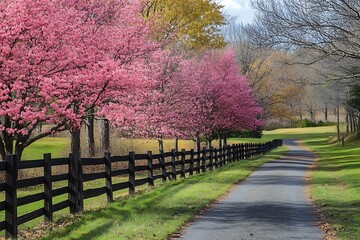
[{"x": 322, "y": 29}]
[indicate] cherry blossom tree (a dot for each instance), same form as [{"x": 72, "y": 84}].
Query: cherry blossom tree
[
  {"x": 191, "y": 96},
  {"x": 60, "y": 59},
  {"x": 224, "y": 97},
  {"x": 160, "y": 112}
]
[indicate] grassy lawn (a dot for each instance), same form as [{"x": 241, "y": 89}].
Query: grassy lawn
[
  {"x": 57, "y": 146},
  {"x": 157, "y": 213},
  {"x": 60, "y": 147},
  {"x": 335, "y": 185}
]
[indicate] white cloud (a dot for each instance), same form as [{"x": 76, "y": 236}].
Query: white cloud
[{"x": 240, "y": 9}]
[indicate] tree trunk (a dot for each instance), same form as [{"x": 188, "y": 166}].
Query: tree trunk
[
  {"x": 176, "y": 144},
  {"x": 8, "y": 138},
  {"x": 19, "y": 149},
  {"x": 2, "y": 150},
  {"x": 225, "y": 139},
  {"x": 347, "y": 123},
  {"x": 75, "y": 140},
  {"x": 90, "y": 133},
  {"x": 326, "y": 113},
  {"x": 105, "y": 135},
  {"x": 358, "y": 124},
  {"x": 338, "y": 124},
  {"x": 351, "y": 122},
  {"x": 208, "y": 142},
  {"x": 198, "y": 142},
  {"x": 354, "y": 123},
  {"x": 220, "y": 142},
  {"x": 161, "y": 145}
]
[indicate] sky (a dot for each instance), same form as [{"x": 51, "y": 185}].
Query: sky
[{"x": 240, "y": 9}]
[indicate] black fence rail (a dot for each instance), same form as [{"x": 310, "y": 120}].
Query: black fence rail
[{"x": 135, "y": 170}]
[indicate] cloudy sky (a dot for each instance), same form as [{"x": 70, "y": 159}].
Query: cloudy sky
[{"x": 241, "y": 9}]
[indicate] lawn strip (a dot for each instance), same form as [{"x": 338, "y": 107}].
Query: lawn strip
[
  {"x": 157, "y": 213},
  {"x": 335, "y": 186}
]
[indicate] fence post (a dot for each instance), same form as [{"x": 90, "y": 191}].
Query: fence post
[
  {"x": 220, "y": 157},
  {"x": 173, "y": 166},
  {"x": 233, "y": 151},
  {"x": 191, "y": 172},
  {"x": 163, "y": 167},
  {"x": 198, "y": 161},
  {"x": 223, "y": 155},
  {"x": 80, "y": 184},
  {"x": 241, "y": 151},
  {"x": 203, "y": 160},
  {"x": 236, "y": 152},
  {"x": 247, "y": 150},
  {"x": 73, "y": 185},
  {"x": 48, "y": 203},
  {"x": 183, "y": 163},
  {"x": 108, "y": 179},
  {"x": 228, "y": 153},
  {"x": 131, "y": 173},
  {"x": 211, "y": 154},
  {"x": 11, "y": 227},
  {"x": 216, "y": 158},
  {"x": 150, "y": 168}
]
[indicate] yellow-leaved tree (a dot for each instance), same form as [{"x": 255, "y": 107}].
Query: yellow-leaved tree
[{"x": 194, "y": 24}]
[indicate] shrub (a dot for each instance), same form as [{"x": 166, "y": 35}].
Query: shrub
[{"x": 247, "y": 133}]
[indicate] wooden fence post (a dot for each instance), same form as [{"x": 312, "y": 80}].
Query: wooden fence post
[
  {"x": 246, "y": 150},
  {"x": 173, "y": 166},
  {"x": 73, "y": 185},
  {"x": 216, "y": 158},
  {"x": 238, "y": 152},
  {"x": 228, "y": 153},
  {"x": 48, "y": 203},
  {"x": 211, "y": 158},
  {"x": 131, "y": 173},
  {"x": 183, "y": 163},
  {"x": 191, "y": 172},
  {"x": 108, "y": 179},
  {"x": 220, "y": 157},
  {"x": 233, "y": 151},
  {"x": 80, "y": 184},
  {"x": 242, "y": 151},
  {"x": 11, "y": 226},
  {"x": 198, "y": 161},
  {"x": 203, "y": 160},
  {"x": 163, "y": 167},
  {"x": 150, "y": 168}
]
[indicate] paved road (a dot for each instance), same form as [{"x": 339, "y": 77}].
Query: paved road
[{"x": 269, "y": 204}]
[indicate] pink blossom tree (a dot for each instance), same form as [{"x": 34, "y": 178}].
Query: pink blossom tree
[
  {"x": 160, "y": 112},
  {"x": 225, "y": 99},
  {"x": 60, "y": 59}
]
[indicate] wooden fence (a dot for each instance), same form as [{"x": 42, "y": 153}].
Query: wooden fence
[{"x": 141, "y": 169}]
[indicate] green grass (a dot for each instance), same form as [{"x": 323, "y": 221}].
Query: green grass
[
  {"x": 335, "y": 185},
  {"x": 300, "y": 133},
  {"x": 60, "y": 147},
  {"x": 157, "y": 213},
  {"x": 57, "y": 146}
]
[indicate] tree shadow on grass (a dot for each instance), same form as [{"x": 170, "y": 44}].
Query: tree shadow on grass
[{"x": 149, "y": 203}]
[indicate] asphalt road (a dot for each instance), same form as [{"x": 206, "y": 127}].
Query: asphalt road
[{"x": 270, "y": 204}]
